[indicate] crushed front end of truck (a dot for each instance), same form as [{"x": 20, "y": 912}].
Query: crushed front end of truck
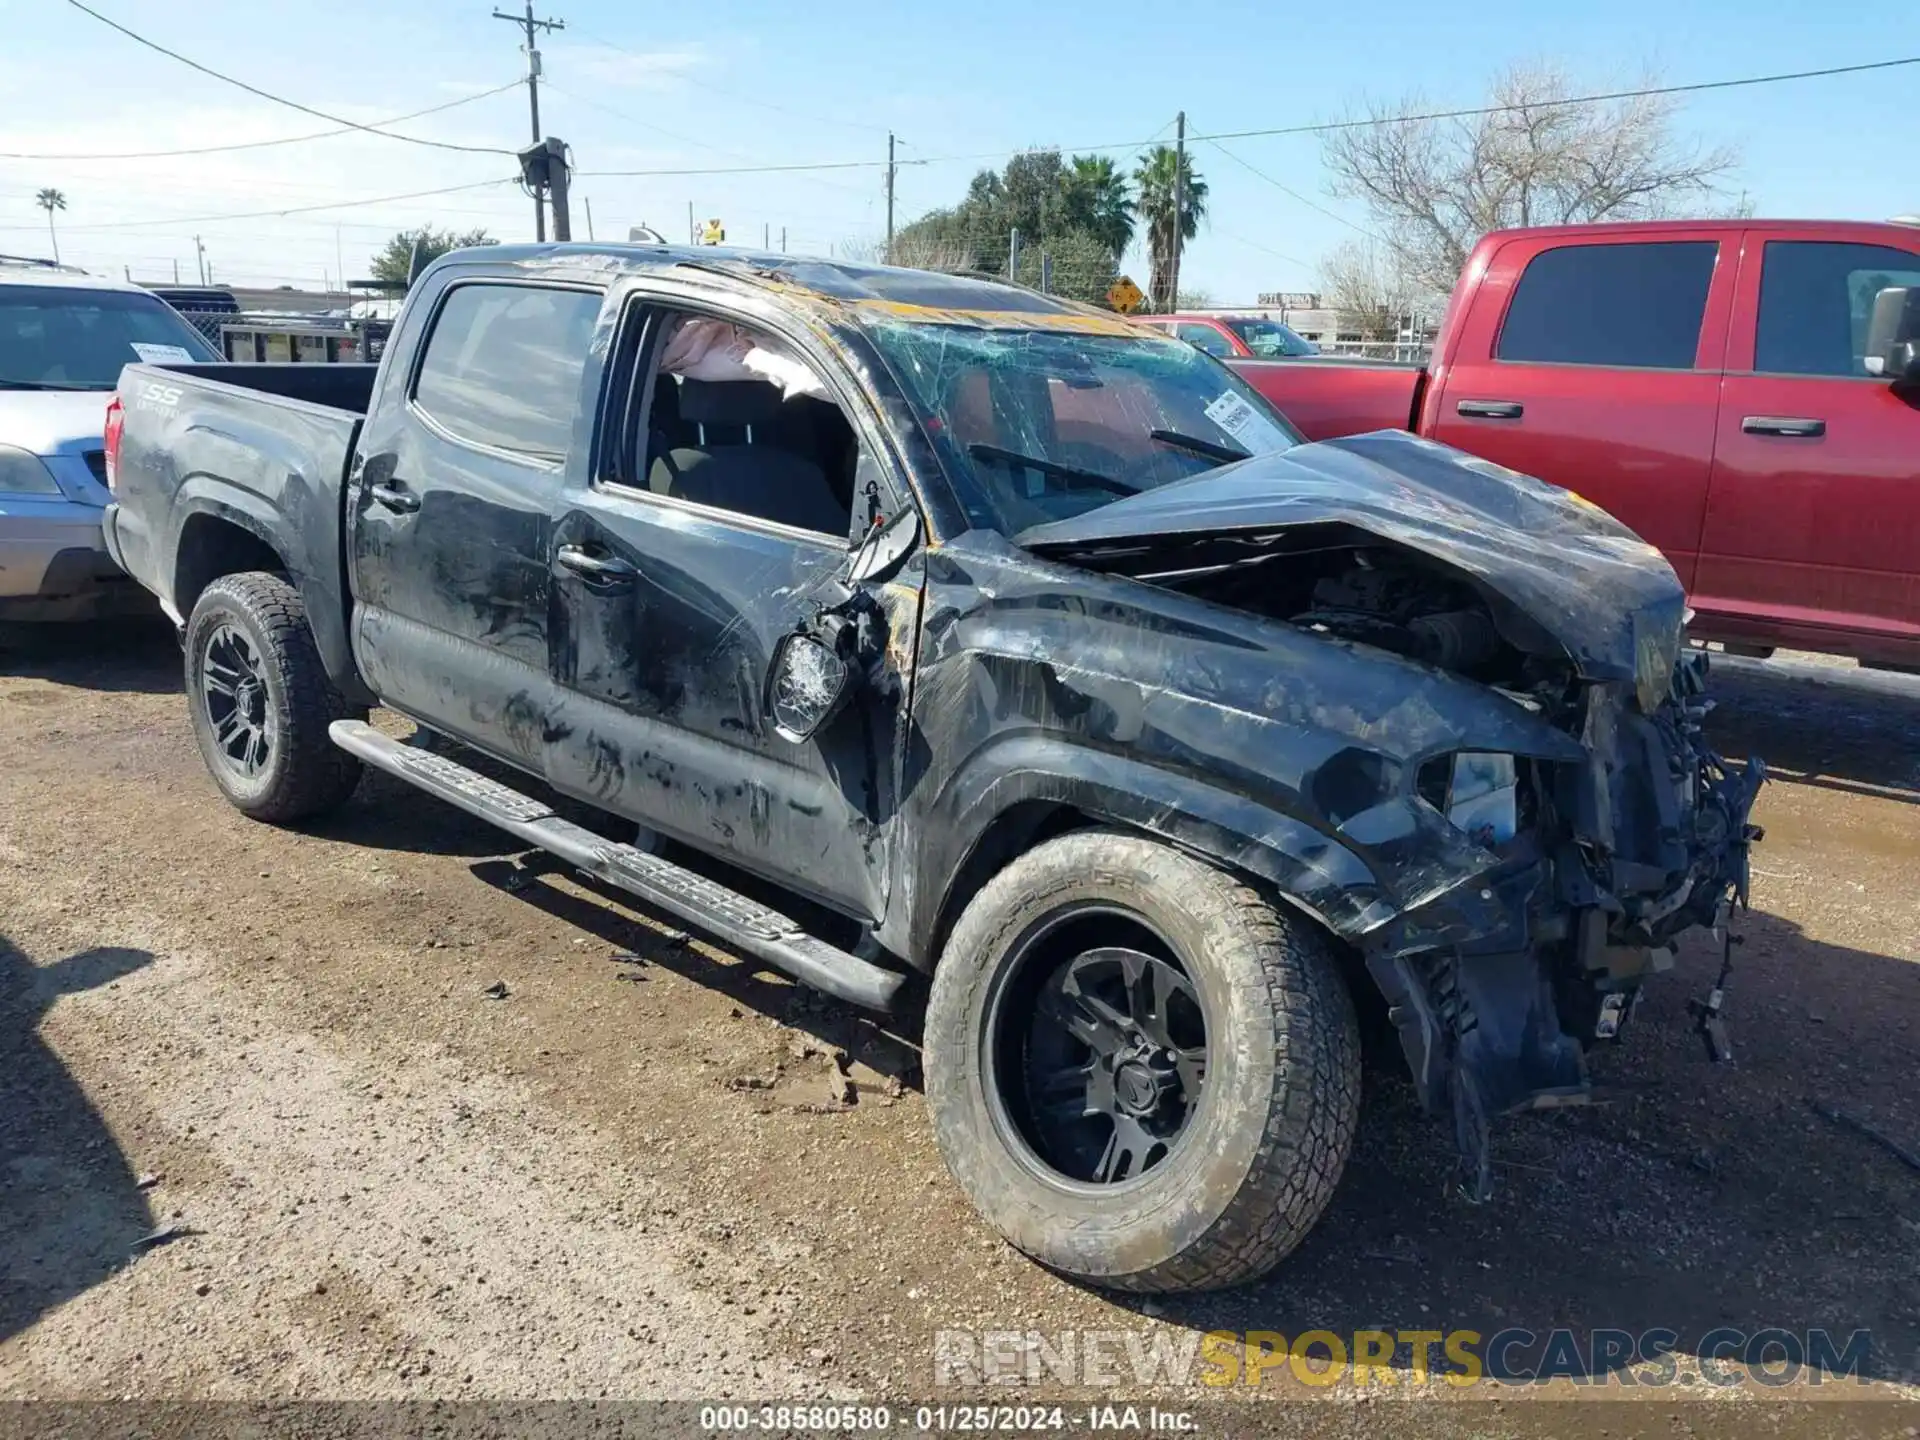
[
  {"x": 1498, "y": 987},
  {"x": 1533, "y": 797}
]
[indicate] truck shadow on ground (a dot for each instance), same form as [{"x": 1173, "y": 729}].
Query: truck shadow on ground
[
  {"x": 1702, "y": 1196},
  {"x": 888, "y": 1044},
  {"x": 70, "y": 1208},
  {"x": 132, "y": 653},
  {"x": 1838, "y": 728}
]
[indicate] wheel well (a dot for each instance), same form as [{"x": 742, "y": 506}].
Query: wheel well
[
  {"x": 211, "y": 547},
  {"x": 1011, "y": 834}
]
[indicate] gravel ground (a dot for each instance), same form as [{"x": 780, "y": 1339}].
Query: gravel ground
[{"x": 432, "y": 1123}]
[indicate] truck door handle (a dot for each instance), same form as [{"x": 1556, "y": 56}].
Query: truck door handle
[
  {"x": 1787, "y": 425},
  {"x": 395, "y": 496},
  {"x": 1492, "y": 409},
  {"x": 599, "y": 569}
]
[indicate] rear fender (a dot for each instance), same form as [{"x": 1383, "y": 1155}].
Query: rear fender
[{"x": 316, "y": 577}]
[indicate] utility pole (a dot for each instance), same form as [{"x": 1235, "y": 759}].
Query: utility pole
[
  {"x": 200, "y": 252},
  {"x": 557, "y": 186},
  {"x": 1179, "y": 206},
  {"x": 889, "y": 197},
  {"x": 783, "y": 239},
  {"x": 1013, "y": 256},
  {"x": 693, "y": 235},
  {"x": 766, "y": 234},
  {"x": 587, "y": 200},
  {"x": 528, "y": 24}
]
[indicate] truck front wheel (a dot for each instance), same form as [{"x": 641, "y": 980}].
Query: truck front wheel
[
  {"x": 261, "y": 701},
  {"x": 1142, "y": 1073}
]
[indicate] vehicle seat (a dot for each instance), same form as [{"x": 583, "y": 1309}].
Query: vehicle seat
[{"x": 734, "y": 464}]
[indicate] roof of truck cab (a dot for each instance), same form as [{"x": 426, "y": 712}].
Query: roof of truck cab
[{"x": 868, "y": 294}]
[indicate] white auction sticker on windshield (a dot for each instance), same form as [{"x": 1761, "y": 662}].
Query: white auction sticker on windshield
[
  {"x": 1234, "y": 415},
  {"x": 160, "y": 354}
]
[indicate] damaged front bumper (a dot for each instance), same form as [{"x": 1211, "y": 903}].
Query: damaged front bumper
[{"x": 1498, "y": 987}]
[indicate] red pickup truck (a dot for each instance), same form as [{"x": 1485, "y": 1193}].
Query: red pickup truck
[{"x": 1712, "y": 383}]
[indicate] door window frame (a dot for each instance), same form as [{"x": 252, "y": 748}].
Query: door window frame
[
  {"x": 1744, "y": 351},
  {"x": 419, "y": 412},
  {"x": 627, "y": 391},
  {"x": 1488, "y": 310}
]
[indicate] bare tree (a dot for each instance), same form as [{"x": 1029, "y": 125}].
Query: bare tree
[
  {"x": 1373, "y": 287},
  {"x": 1437, "y": 186}
]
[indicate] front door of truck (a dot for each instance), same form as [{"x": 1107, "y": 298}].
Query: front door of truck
[
  {"x": 449, "y": 506},
  {"x": 1595, "y": 365},
  {"x": 729, "y": 475},
  {"x": 1815, "y": 510}
]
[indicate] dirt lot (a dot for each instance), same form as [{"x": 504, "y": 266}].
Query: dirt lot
[{"x": 635, "y": 1176}]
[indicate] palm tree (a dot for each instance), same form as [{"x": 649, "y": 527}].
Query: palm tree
[
  {"x": 51, "y": 200},
  {"x": 1154, "y": 177},
  {"x": 1095, "y": 198}
]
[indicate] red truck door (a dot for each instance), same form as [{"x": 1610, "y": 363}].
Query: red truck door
[
  {"x": 1593, "y": 362},
  {"x": 1813, "y": 521}
]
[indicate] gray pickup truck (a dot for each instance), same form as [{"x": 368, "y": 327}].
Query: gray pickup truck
[{"x": 1032, "y": 648}]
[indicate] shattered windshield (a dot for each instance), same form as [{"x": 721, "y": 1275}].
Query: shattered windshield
[
  {"x": 1269, "y": 339},
  {"x": 1040, "y": 425}
]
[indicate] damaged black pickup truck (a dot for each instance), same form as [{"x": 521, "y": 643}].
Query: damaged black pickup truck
[{"x": 1033, "y": 650}]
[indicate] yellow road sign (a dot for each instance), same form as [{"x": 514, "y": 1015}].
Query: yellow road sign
[
  {"x": 713, "y": 234},
  {"x": 1123, "y": 295}
]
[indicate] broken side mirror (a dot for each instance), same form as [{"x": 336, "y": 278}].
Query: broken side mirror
[
  {"x": 1893, "y": 335},
  {"x": 807, "y": 683}
]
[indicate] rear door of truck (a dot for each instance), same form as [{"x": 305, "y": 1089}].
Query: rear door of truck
[
  {"x": 1814, "y": 519},
  {"x": 1594, "y": 362},
  {"x": 449, "y": 503}
]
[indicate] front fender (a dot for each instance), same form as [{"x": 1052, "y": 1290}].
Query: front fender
[{"x": 1308, "y": 868}]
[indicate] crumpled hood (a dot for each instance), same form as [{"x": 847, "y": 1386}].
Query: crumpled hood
[
  {"x": 53, "y": 422},
  {"x": 1599, "y": 590}
]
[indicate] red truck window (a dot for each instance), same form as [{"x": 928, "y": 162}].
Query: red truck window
[
  {"x": 1816, "y": 297},
  {"x": 1205, "y": 337},
  {"x": 1636, "y": 305}
]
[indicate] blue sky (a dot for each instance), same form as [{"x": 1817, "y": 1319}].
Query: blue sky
[{"x": 739, "y": 82}]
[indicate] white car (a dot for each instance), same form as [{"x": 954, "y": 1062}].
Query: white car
[{"x": 64, "y": 335}]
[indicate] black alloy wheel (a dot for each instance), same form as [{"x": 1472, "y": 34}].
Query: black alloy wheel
[{"x": 1096, "y": 1058}]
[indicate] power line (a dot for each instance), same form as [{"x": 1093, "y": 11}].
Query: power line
[
  {"x": 685, "y": 140},
  {"x": 275, "y": 214},
  {"x": 1318, "y": 127},
  {"x": 264, "y": 144},
  {"x": 1288, "y": 190},
  {"x": 155, "y": 46},
  {"x": 1645, "y": 92}
]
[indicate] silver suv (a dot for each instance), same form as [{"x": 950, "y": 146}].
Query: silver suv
[{"x": 64, "y": 335}]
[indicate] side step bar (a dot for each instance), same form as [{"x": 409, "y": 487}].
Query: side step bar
[{"x": 763, "y": 933}]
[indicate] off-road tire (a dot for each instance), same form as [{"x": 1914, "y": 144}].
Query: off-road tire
[
  {"x": 1282, "y": 1091},
  {"x": 305, "y": 774}
]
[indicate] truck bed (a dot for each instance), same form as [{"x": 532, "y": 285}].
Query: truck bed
[
  {"x": 218, "y": 457},
  {"x": 1329, "y": 398}
]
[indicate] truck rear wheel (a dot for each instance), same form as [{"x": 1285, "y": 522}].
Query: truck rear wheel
[
  {"x": 1142, "y": 1073},
  {"x": 261, "y": 701}
]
